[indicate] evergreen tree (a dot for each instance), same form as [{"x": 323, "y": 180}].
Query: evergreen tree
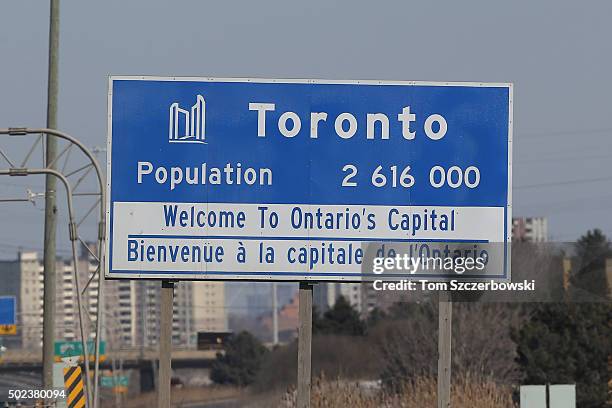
[
  {"x": 568, "y": 344},
  {"x": 376, "y": 316},
  {"x": 241, "y": 361},
  {"x": 592, "y": 250},
  {"x": 341, "y": 319}
]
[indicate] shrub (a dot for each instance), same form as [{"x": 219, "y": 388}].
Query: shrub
[{"x": 240, "y": 363}]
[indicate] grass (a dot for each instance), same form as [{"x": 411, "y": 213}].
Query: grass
[
  {"x": 466, "y": 392},
  {"x": 181, "y": 397}
]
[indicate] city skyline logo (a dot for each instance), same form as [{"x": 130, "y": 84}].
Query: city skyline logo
[{"x": 188, "y": 126}]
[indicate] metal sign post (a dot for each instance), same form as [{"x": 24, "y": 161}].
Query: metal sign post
[
  {"x": 445, "y": 316},
  {"x": 165, "y": 345},
  {"x": 304, "y": 373}
]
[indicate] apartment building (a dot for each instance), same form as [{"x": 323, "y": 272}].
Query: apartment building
[
  {"x": 530, "y": 229},
  {"x": 209, "y": 312},
  {"x": 130, "y": 308},
  {"x": 24, "y": 278}
]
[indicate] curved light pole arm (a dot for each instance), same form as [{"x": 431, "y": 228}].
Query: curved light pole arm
[
  {"x": 101, "y": 232},
  {"x": 73, "y": 237}
]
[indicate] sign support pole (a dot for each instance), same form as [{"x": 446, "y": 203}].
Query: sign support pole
[
  {"x": 165, "y": 344},
  {"x": 304, "y": 374},
  {"x": 445, "y": 316}
]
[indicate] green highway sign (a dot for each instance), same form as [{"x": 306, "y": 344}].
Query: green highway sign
[
  {"x": 108, "y": 381},
  {"x": 65, "y": 349}
]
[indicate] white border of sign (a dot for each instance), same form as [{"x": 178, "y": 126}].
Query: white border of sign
[{"x": 269, "y": 278}]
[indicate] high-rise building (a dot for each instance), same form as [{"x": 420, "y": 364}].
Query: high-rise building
[
  {"x": 130, "y": 308},
  {"x": 530, "y": 229},
  {"x": 326, "y": 294},
  {"x": 209, "y": 313},
  {"x": 132, "y": 321},
  {"x": 137, "y": 317},
  {"x": 197, "y": 306},
  {"x": 23, "y": 279},
  {"x": 121, "y": 320}
]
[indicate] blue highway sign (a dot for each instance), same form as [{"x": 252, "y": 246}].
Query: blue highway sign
[
  {"x": 275, "y": 179},
  {"x": 8, "y": 314}
]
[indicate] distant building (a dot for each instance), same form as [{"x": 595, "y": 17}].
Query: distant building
[
  {"x": 137, "y": 318},
  {"x": 209, "y": 313},
  {"x": 24, "y": 278},
  {"x": 326, "y": 294},
  {"x": 122, "y": 320},
  {"x": 130, "y": 308},
  {"x": 530, "y": 229},
  {"x": 288, "y": 315},
  {"x": 134, "y": 322}
]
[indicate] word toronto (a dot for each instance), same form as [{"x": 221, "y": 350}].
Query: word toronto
[{"x": 346, "y": 124}]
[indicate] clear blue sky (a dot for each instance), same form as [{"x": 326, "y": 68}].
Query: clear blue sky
[{"x": 557, "y": 53}]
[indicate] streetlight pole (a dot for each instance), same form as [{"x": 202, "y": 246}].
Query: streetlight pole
[{"x": 50, "y": 202}]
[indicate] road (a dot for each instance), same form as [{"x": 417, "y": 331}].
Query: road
[
  {"x": 224, "y": 403},
  {"x": 21, "y": 381}
]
